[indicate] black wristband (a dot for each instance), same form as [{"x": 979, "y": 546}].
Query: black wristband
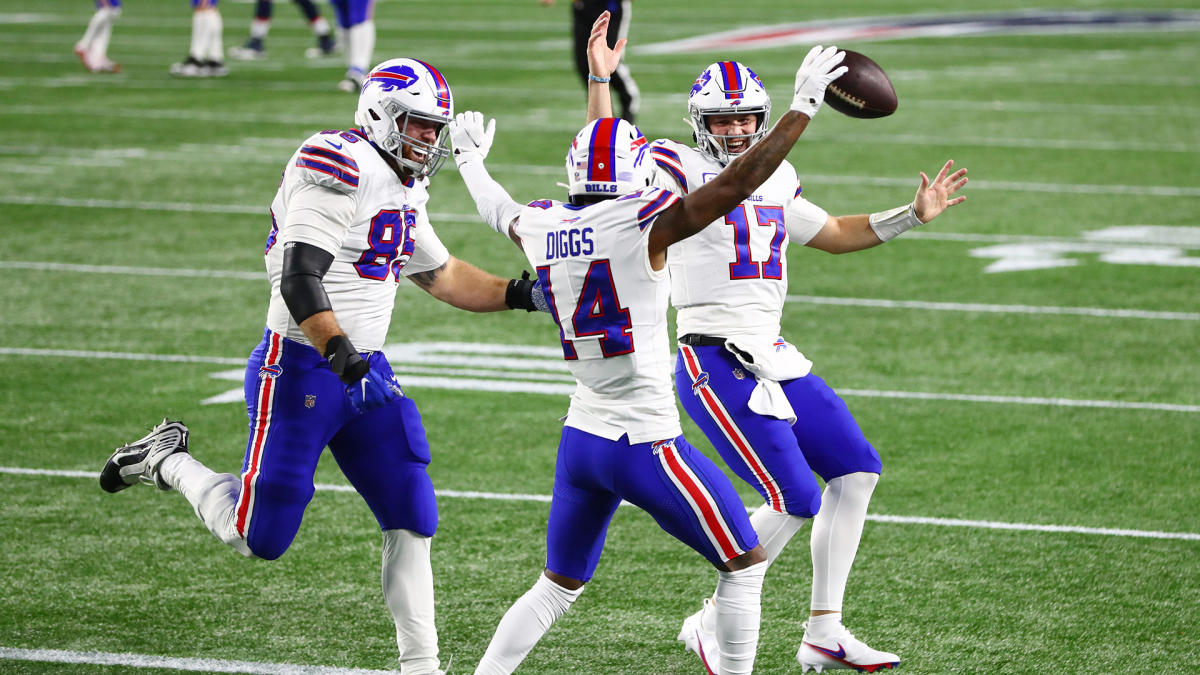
[
  {"x": 344, "y": 361},
  {"x": 519, "y": 294}
]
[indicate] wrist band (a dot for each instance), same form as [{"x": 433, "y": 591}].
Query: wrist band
[
  {"x": 888, "y": 224},
  {"x": 601, "y": 80}
]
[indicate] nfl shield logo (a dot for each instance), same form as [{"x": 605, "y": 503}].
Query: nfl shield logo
[
  {"x": 739, "y": 373},
  {"x": 310, "y": 400}
]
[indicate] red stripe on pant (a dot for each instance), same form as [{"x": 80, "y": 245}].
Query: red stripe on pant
[
  {"x": 703, "y": 501},
  {"x": 732, "y": 432},
  {"x": 266, "y": 390}
]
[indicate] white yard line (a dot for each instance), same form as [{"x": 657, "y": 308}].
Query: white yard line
[
  {"x": 801, "y": 299},
  {"x": 999, "y": 309},
  {"x": 566, "y": 389},
  {"x": 905, "y": 520},
  {"x": 177, "y": 663}
]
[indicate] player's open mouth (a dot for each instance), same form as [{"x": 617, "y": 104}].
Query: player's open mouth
[{"x": 736, "y": 146}]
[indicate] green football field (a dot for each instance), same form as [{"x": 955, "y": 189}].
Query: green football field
[{"x": 1028, "y": 365}]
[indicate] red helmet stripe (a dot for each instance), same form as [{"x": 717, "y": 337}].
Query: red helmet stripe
[
  {"x": 732, "y": 78},
  {"x": 602, "y": 151},
  {"x": 443, "y": 89}
]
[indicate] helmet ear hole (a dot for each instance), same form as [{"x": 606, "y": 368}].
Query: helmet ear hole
[{"x": 374, "y": 115}]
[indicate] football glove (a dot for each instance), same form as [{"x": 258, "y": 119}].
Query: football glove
[
  {"x": 374, "y": 390},
  {"x": 470, "y": 138},
  {"x": 525, "y": 294},
  {"x": 819, "y": 68}
]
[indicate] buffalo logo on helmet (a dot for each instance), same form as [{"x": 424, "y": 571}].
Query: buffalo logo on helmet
[
  {"x": 700, "y": 82},
  {"x": 393, "y": 78}
]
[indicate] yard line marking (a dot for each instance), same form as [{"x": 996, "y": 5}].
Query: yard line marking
[
  {"x": 177, "y": 663},
  {"x": 906, "y": 520},
  {"x": 540, "y": 387},
  {"x": 136, "y": 271},
  {"x": 803, "y": 299},
  {"x": 121, "y": 356},
  {"x": 1022, "y": 400},
  {"x": 1001, "y": 309}
]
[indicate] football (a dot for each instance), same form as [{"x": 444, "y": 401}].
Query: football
[{"x": 864, "y": 91}]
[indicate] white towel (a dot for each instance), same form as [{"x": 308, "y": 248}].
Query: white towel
[{"x": 771, "y": 361}]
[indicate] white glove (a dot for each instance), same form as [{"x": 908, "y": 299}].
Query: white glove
[
  {"x": 816, "y": 72},
  {"x": 471, "y": 140}
]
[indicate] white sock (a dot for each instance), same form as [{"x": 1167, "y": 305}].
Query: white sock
[
  {"x": 215, "y": 48},
  {"x": 837, "y": 529},
  {"x": 738, "y": 601},
  {"x": 774, "y": 529},
  {"x": 320, "y": 26},
  {"x": 408, "y": 590},
  {"x": 98, "y": 48},
  {"x": 524, "y": 624},
  {"x": 212, "y": 495},
  {"x": 259, "y": 28},
  {"x": 360, "y": 46},
  {"x": 823, "y": 626},
  {"x": 199, "y": 35},
  {"x": 98, "y": 19}
]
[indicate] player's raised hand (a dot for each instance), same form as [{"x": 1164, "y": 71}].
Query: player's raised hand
[
  {"x": 933, "y": 198},
  {"x": 471, "y": 139},
  {"x": 819, "y": 68},
  {"x": 603, "y": 60}
]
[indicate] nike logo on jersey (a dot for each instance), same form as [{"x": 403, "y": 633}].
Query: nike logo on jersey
[{"x": 335, "y": 146}]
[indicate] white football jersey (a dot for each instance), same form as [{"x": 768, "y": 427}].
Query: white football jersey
[
  {"x": 731, "y": 278},
  {"x": 339, "y": 194},
  {"x": 611, "y": 308}
]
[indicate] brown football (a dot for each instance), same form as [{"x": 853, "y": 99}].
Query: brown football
[{"x": 864, "y": 91}]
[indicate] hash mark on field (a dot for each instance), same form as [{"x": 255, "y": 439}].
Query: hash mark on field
[
  {"x": 176, "y": 663},
  {"x": 904, "y": 520}
]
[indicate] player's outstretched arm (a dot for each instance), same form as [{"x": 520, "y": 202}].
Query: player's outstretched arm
[
  {"x": 602, "y": 61},
  {"x": 472, "y": 141},
  {"x": 844, "y": 234},
  {"x": 465, "y": 286},
  {"x": 743, "y": 176}
]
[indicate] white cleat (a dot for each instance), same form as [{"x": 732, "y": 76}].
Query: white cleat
[
  {"x": 139, "y": 461},
  {"x": 700, "y": 641},
  {"x": 842, "y": 651}
]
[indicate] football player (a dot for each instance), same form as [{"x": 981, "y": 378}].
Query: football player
[
  {"x": 750, "y": 391},
  {"x": 601, "y": 259},
  {"x": 348, "y": 222},
  {"x": 206, "y": 55},
  {"x": 356, "y": 21},
  {"x": 256, "y": 48},
  {"x": 92, "y": 48}
]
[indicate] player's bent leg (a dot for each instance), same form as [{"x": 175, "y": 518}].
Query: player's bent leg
[
  {"x": 294, "y": 404},
  {"x": 715, "y": 391}
]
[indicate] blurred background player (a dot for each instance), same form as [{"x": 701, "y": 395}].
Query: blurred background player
[
  {"x": 605, "y": 278},
  {"x": 255, "y": 47},
  {"x": 356, "y": 21},
  {"x": 92, "y": 48},
  {"x": 349, "y": 221},
  {"x": 773, "y": 422},
  {"x": 584, "y": 14},
  {"x": 206, "y": 55}
]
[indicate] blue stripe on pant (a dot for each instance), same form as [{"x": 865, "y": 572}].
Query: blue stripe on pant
[
  {"x": 383, "y": 453},
  {"x": 825, "y": 438},
  {"x": 593, "y": 474}
]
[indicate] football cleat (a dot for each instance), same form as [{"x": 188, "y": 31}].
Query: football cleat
[
  {"x": 216, "y": 68},
  {"x": 247, "y": 53},
  {"x": 325, "y": 47},
  {"x": 105, "y": 65},
  {"x": 189, "y": 67},
  {"x": 139, "y": 460},
  {"x": 842, "y": 651},
  {"x": 701, "y": 641}
]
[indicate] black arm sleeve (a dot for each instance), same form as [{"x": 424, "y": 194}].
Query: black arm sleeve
[{"x": 304, "y": 265}]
